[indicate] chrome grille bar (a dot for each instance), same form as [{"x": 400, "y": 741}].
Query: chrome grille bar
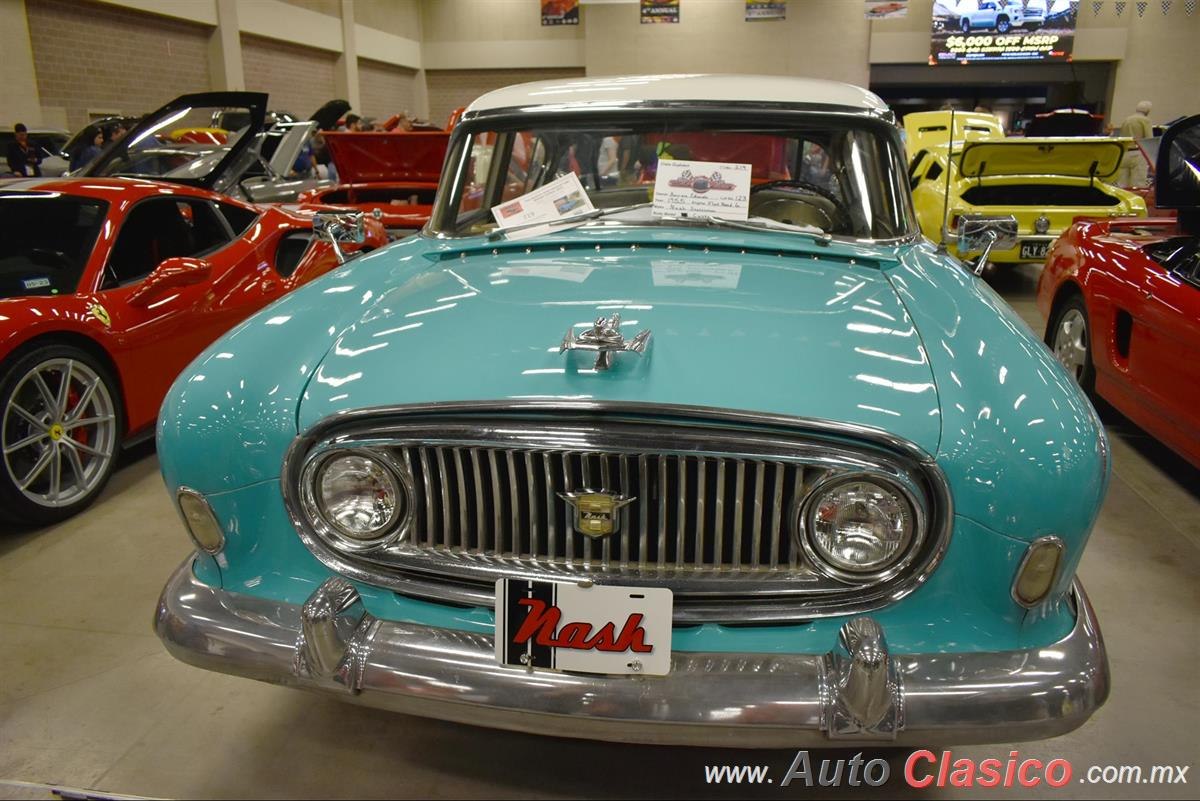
[{"x": 504, "y": 502}]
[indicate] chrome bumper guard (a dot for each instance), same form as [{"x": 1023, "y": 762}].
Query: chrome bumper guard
[{"x": 858, "y": 691}]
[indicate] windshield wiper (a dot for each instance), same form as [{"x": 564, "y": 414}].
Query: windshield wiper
[
  {"x": 594, "y": 214},
  {"x": 765, "y": 224}
]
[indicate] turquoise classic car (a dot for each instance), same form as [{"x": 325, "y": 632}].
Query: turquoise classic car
[{"x": 669, "y": 427}]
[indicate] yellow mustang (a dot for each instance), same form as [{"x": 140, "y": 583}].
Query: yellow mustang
[{"x": 1042, "y": 183}]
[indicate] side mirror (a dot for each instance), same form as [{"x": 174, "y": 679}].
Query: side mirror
[
  {"x": 979, "y": 233},
  {"x": 179, "y": 271},
  {"x": 338, "y": 227}
]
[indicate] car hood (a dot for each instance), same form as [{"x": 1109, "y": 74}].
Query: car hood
[
  {"x": 1083, "y": 158},
  {"x": 374, "y": 156},
  {"x": 819, "y": 337}
]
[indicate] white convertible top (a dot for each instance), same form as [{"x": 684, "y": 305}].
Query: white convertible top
[{"x": 634, "y": 89}]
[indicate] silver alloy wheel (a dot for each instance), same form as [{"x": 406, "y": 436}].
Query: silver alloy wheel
[
  {"x": 1071, "y": 342},
  {"x": 59, "y": 432}
]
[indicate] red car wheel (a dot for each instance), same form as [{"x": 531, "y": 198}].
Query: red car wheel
[{"x": 60, "y": 431}]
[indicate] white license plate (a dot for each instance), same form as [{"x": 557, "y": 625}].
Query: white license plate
[
  {"x": 584, "y": 629},
  {"x": 1034, "y": 250}
]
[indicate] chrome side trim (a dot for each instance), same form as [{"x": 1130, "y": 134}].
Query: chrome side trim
[
  {"x": 742, "y": 700},
  {"x": 627, "y": 410},
  {"x": 797, "y": 593}
]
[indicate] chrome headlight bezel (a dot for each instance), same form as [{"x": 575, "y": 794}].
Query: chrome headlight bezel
[
  {"x": 398, "y": 524},
  {"x": 805, "y": 530}
]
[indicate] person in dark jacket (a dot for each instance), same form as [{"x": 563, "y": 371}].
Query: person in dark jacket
[
  {"x": 22, "y": 156},
  {"x": 86, "y": 153}
]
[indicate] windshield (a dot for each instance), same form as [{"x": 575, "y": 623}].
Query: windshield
[
  {"x": 45, "y": 241},
  {"x": 182, "y": 145},
  {"x": 814, "y": 173}
]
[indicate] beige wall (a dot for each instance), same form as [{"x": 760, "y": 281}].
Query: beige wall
[
  {"x": 102, "y": 58},
  {"x": 449, "y": 89},
  {"x": 496, "y": 34},
  {"x": 490, "y": 20},
  {"x": 385, "y": 89},
  {"x": 116, "y": 55},
  {"x": 18, "y": 90},
  {"x": 299, "y": 79},
  {"x": 1161, "y": 64},
  {"x": 819, "y": 39},
  {"x": 328, "y": 7},
  {"x": 399, "y": 17}
]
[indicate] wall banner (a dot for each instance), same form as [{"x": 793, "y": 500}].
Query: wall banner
[
  {"x": 756, "y": 11},
  {"x": 660, "y": 11},
  {"x": 560, "y": 12}
]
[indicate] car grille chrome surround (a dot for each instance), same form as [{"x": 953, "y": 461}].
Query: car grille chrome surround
[{"x": 718, "y": 516}]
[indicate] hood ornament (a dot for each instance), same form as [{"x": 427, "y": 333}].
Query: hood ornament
[{"x": 604, "y": 337}]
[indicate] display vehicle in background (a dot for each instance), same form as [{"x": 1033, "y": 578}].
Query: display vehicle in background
[
  {"x": 1065, "y": 122},
  {"x": 390, "y": 174},
  {"x": 926, "y": 129},
  {"x": 111, "y": 284},
  {"x": 1041, "y": 183},
  {"x": 727, "y": 466},
  {"x": 1122, "y": 302},
  {"x": 1000, "y": 16}
]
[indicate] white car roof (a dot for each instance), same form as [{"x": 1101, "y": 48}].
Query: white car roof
[{"x": 633, "y": 89}]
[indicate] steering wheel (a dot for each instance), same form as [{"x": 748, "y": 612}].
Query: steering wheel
[
  {"x": 820, "y": 191},
  {"x": 48, "y": 258}
]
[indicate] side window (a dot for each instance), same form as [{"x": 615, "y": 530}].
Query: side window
[
  {"x": 817, "y": 166},
  {"x": 527, "y": 166},
  {"x": 159, "y": 229},
  {"x": 239, "y": 219},
  {"x": 934, "y": 171}
]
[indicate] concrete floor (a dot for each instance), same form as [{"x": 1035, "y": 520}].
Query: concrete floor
[{"x": 89, "y": 698}]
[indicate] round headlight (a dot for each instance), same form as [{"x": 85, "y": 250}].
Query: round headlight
[
  {"x": 859, "y": 527},
  {"x": 359, "y": 497}
]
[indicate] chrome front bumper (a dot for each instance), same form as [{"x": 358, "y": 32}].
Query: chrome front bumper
[{"x": 857, "y": 692}]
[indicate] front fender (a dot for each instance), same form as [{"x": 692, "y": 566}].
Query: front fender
[{"x": 1021, "y": 446}]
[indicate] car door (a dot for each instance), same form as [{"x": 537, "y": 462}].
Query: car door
[
  {"x": 1165, "y": 351},
  {"x": 160, "y": 336}
]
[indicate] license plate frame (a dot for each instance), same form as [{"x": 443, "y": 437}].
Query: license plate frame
[{"x": 599, "y": 629}]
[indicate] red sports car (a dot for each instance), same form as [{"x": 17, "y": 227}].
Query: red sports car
[
  {"x": 1122, "y": 301},
  {"x": 110, "y": 285}
]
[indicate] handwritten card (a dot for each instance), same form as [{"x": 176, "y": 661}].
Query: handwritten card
[{"x": 701, "y": 189}]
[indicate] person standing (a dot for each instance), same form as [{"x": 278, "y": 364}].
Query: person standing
[
  {"x": 1136, "y": 126},
  {"x": 22, "y": 156},
  {"x": 84, "y": 154}
]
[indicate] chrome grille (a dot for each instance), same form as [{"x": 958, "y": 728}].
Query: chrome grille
[
  {"x": 692, "y": 512},
  {"x": 716, "y": 518}
]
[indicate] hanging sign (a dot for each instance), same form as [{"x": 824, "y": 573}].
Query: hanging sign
[
  {"x": 560, "y": 12},
  {"x": 660, "y": 11}
]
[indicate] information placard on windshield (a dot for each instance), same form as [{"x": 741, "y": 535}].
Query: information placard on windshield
[{"x": 701, "y": 188}]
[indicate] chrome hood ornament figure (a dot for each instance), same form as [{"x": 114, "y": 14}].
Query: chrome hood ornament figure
[{"x": 604, "y": 337}]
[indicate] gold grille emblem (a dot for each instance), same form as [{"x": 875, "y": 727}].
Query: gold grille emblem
[{"x": 597, "y": 514}]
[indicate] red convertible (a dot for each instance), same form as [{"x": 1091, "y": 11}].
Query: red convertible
[
  {"x": 111, "y": 283},
  {"x": 1122, "y": 301}
]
